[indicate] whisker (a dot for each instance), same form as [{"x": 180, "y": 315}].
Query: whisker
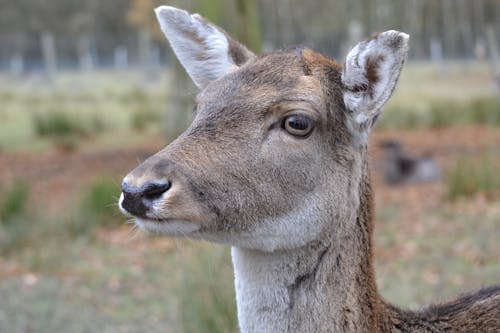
[{"x": 135, "y": 232}]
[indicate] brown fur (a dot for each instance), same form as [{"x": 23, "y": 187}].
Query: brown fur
[{"x": 372, "y": 66}]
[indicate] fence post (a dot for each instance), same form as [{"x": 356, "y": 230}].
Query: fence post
[
  {"x": 494, "y": 57},
  {"x": 84, "y": 53},
  {"x": 17, "y": 64},
  {"x": 49, "y": 55},
  {"x": 145, "y": 54},
  {"x": 120, "y": 58}
]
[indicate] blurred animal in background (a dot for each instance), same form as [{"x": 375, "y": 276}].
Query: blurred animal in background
[{"x": 400, "y": 167}]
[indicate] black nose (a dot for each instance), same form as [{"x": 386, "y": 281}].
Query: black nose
[{"x": 137, "y": 200}]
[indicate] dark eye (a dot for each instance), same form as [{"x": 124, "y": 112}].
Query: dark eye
[{"x": 298, "y": 125}]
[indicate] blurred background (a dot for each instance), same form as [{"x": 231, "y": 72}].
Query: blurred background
[{"x": 89, "y": 89}]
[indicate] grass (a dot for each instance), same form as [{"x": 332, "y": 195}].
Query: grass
[
  {"x": 100, "y": 199},
  {"x": 446, "y": 251},
  {"x": 469, "y": 177},
  {"x": 14, "y": 224},
  {"x": 21, "y": 227},
  {"x": 66, "y": 130},
  {"x": 125, "y": 287},
  {"x": 35, "y": 116},
  {"x": 142, "y": 119},
  {"x": 58, "y": 123},
  {"x": 77, "y": 109},
  {"x": 97, "y": 208},
  {"x": 439, "y": 113},
  {"x": 13, "y": 202},
  {"x": 485, "y": 111},
  {"x": 205, "y": 292}
]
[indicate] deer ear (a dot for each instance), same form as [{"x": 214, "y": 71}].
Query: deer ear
[
  {"x": 369, "y": 76},
  {"x": 205, "y": 50}
]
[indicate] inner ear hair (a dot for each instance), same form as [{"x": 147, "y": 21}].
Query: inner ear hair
[
  {"x": 206, "y": 51},
  {"x": 370, "y": 74}
]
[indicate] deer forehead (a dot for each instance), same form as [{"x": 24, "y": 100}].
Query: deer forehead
[{"x": 262, "y": 83}]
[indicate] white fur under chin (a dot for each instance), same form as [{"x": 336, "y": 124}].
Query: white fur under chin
[
  {"x": 292, "y": 230},
  {"x": 168, "y": 227}
]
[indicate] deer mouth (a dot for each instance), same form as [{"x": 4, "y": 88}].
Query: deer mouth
[
  {"x": 149, "y": 221},
  {"x": 168, "y": 226}
]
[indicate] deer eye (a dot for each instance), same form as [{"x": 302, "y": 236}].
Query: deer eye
[{"x": 298, "y": 125}]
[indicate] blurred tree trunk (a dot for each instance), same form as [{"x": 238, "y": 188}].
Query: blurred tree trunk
[
  {"x": 496, "y": 26},
  {"x": 209, "y": 9},
  {"x": 465, "y": 27},
  {"x": 494, "y": 57},
  {"x": 180, "y": 104},
  {"x": 281, "y": 16},
  {"x": 449, "y": 27},
  {"x": 17, "y": 64},
  {"x": 354, "y": 11},
  {"x": 144, "y": 43},
  {"x": 120, "y": 58},
  {"x": 478, "y": 18},
  {"x": 83, "y": 46},
  {"x": 49, "y": 55},
  {"x": 367, "y": 9},
  {"x": 414, "y": 13},
  {"x": 248, "y": 29},
  {"x": 278, "y": 25}
]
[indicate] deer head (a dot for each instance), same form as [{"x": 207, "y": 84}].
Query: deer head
[{"x": 276, "y": 152}]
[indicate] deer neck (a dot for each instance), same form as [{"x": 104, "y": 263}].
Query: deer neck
[{"x": 325, "y": 286}]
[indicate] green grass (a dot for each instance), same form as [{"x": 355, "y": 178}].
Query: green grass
[
  {"x": 469, "y": 177},
  {"x": 402, "y": 116},
  {"x": 35, "y": 116},
  {"x": 97, "y": 208},
  {"x": 142, "y": 119},
  {"x": 66, "y": 130},
  {"x": 79, "y": 107},
  {"x": 485, "y": 111},
  {"x": 440, "y": 113},
  {"x": 58, "y": 123},
  {"x": 13, "y": 202},
  {"x": 101, "y": 197},
  {"x": 20, "y": 226},
  {"x": 14, "y": 222},
  {"x": 205, "y": 292}
]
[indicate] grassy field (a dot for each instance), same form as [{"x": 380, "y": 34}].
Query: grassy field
[
  {"x": 79, "y": 108},
  {"x": 70, "y": 263}
]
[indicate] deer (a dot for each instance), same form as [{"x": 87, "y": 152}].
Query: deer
[
  {"x": 275, "y": 164},
  {"x": 402, "y": 168}
]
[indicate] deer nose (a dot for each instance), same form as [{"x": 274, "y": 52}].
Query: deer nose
[{"x": 137, "y": 200}]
